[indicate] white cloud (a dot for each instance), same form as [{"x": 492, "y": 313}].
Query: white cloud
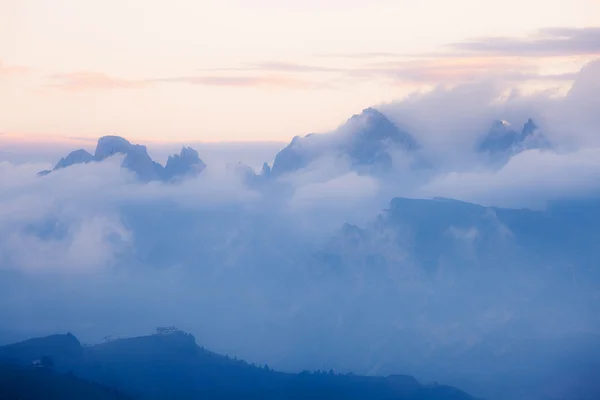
[
  {"x": 70, "y": 220},
  {"x": 86, "y": 201},
  {"x": 530, "y": 179},
  {"x": 449, "y": 121},
  {"x": 347, "y": 190},
  {"x": 89, "y": 244},
  {"x": 120, "y": 256}
]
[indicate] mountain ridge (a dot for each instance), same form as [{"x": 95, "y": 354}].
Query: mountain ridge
[
  {"x": 172, "y": 365},
  {"x": 503, "y": 139},
  {"x": 366, "y": 139},
  {"x": 185, "y": 164}
]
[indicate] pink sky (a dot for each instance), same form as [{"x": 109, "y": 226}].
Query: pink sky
[{"x": 227, "y": 70}]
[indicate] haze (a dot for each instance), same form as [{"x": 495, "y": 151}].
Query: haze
[{"x": 378, "y": 188}]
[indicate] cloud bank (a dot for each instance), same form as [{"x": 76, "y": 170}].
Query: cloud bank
[
  {"x": 303, "y": 265},
  {"x": 548, "y": 42},
  {"x": 80, "y": 207}
]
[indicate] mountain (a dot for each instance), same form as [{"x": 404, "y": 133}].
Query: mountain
[
  {"x": 43, "y": 383},
  {"x": 500, "y": 302},
  {"x": 248, "y": 176},
  {"x": 367, "y": 141},
  {"x": 503, "y": 140},
  {"x": 169, "y": 365},
  {"x": 440, "y": 238},
  {"x": 76, "y": 157},
  {"x": 137, "y": 160},
  {"x": 186, "y": 163}
]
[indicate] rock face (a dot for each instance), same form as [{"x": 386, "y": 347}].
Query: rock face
[
  {"x": 366, "y": 140},
  {"x": 137, "y": 160},
  {"x": 266, "y": 170},
  {"x": 503, "y": 140},
  {"x": 110, "y": 145},
  {"x": 136, "y": 157},
  {"x": 186, "y": 163},
  {"x": 75, "y": 157}
]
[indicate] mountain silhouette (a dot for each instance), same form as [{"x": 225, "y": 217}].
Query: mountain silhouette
[
  {"x": 367, "y": 140},
  {"x": 186, "y": 163},
  {"x": 169, "y": 365}
]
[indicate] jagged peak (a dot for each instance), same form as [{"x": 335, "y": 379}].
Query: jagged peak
[
  {"x": 137, "y": 159},
  {"x": 500, "y": 127},
  {"x": 370, "y": 112},
  {"x": 79, "y": 152},
  {"x": 188, "y": 152},
  {"x": 186, "y": 163},
  {"x": 370, "y": 116},
  {"x": 113, "y": 139},
  {"x": 80, "y": 156},
  {"x": 373, "y": 126},
  {"x": 296, "y": 139},
  {"x": 109, "y": 145},
  {"x": 529, "y": 128},
  {"x": 366, "y": 139},
  {"x": 266, "y": 169},
  {"x": 503, "y": 139}
]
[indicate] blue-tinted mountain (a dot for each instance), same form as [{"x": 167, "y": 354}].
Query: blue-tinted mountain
[
  {"x": 76, "y": 157},
  {"x": 367, "y": 140},
  {"x": 27, "y": 383},
  {"x": 137, "y": 160},
  {"x": 503, "y": 140},
  {"x": 435, "y": 233},
  {"x": 248, "y": 176},
  {"x": 456, "y": 290},
  {"x": 186, "y": 163},
  {"x": 171, "y": 366}
]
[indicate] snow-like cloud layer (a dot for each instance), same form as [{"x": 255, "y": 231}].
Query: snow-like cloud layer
[
  {"x": 48, "y": 223},
  {"x": 91, "y": 250}
]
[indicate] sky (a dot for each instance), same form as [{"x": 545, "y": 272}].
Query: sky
[
  {"x": 264, "y": 70},
  {"x": 209, "y": 73}
]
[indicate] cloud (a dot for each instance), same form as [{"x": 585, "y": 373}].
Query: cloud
[
  {"x": 243, "y": 81},
  {"x": 11, "y": 70},
  {"x": 530, "y": 179},
  {"x": 502, "y": 57},
  {"x": 416, "y": 69},
  {"x": 458, "y": 69},
  {"x": 449, "y": 120},
  {"x": 88, "y": 249},
  {"x": 279, "y": 66},
  {"x": 71, "y": 220},
  {"x": 512, "y": 59},
  {"x": 58, "y": 224},
  {"x": 368, "y": 55},
  {"x": 89, "y": 80},
  {"x": 547, "y": 42},
  {"x": 89, "y": 244},
  {"x": 344, "y": 191}
]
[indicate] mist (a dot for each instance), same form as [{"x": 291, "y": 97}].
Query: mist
[{"x": 320, "y": 268}]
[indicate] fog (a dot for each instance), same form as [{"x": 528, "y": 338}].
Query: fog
[{"x": 308, "y": 271}]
